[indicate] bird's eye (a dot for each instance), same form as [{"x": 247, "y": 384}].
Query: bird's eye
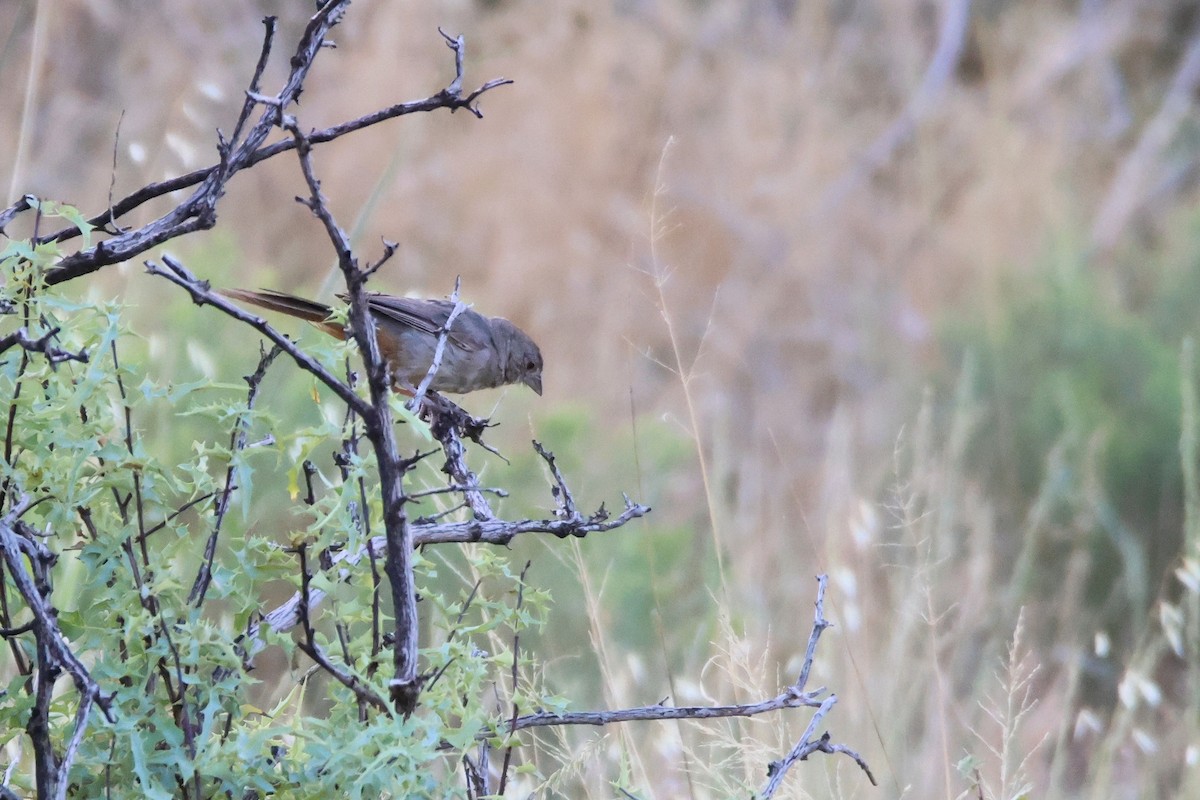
[{"x": 530, "y": 365}]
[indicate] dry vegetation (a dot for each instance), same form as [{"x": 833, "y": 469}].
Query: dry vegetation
[{"x": 743, "y": 321}]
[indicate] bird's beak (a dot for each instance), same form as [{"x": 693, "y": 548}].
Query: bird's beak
[{"x": 533, "y": 381}]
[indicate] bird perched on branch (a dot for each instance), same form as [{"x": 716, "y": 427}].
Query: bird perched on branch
[{"x": 481, "y": 352}]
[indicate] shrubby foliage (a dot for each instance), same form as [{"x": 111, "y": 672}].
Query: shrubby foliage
[
  {"x": 128, "y": 530},
  {"x": 1079, "y": 428}
]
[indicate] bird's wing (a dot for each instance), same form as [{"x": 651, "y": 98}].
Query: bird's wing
[{"x": 469, "y": 331}]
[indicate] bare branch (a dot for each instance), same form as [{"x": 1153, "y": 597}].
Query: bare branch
[
  {"x": 198, "y": 211},
  {"x": 454, "y": 489},
  {"x": 202, "y": 294},
  {"x": 516, "y": 662},
  {"x": 448, "y": 423},
  {"x": 377, "y": 417},
  {"x": 560, "y": 490},
  {"x": 269, "y": 28},
  {"x": 42, "y": 344},
  {"x": 439, "y": 350},
  {"x": 68, "y": 758},
  {"x": 237, "y": 443},
  {"x": 819, "y": 626},
  {"x": 793, "y": 697},
  {"x": 654, "y": 713},
  {"x": 12, "y": 544},
  {"x": 308, "y": 644},
  {"x": 458, "y": 45},
  {"x": 494, "y": 531},
  {"x": 803, "y": 748}
]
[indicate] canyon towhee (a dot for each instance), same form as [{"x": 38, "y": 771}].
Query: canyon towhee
[{"x": 481, "y": 352}]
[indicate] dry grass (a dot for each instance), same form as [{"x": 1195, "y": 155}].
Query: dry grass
[{"x": 783, "y": 338}]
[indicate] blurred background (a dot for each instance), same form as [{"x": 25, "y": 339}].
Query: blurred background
[{"x": 900, "y": 291}]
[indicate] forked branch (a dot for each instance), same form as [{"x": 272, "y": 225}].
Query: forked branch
[{"x": 243, "y": 149}]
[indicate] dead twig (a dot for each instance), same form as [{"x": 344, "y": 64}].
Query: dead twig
[
  {"x": 242, "y": 150},
  {"x": 42, "y": 344},
  {"x": 405, "y": 685}
]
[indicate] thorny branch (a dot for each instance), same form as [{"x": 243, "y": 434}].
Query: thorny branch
[
  {"x": 16, "y": 539},
  {"x": 439, "y": 351},
  {"x": 806, "y": 745},
  {"x": 237, "y": 153},
  {"x": 572, "y": 522},
  {"x": 490, "y": 531},
  {"x": 795, "y": 696},
  {"x": 309, "y": 645},
  {"x": 405, "y": 685},
  {"x": 237, "y": 443},
  {"x": 42, "y": 344},
  {"x": 202, "y": 294},
  {"x": 516, "y": 665},
  {"x": 19, "y": 542},
  {"x": 449, "y": 424}
]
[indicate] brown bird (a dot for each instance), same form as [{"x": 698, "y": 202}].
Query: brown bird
[{"x": 481, "y": 352}]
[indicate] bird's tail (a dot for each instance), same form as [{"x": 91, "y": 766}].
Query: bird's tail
[{"x": 310, "y": 310}]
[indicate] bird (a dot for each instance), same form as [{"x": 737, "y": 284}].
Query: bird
[{"x": 480, "y": 353}]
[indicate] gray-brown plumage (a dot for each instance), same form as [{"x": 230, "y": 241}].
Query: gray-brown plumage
[{"x": 481, "y": 352}]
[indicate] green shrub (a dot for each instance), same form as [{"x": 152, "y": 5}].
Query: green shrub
[
  {"x": 1080, "y": 408},
  {"x": 127, "y": 528}
]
